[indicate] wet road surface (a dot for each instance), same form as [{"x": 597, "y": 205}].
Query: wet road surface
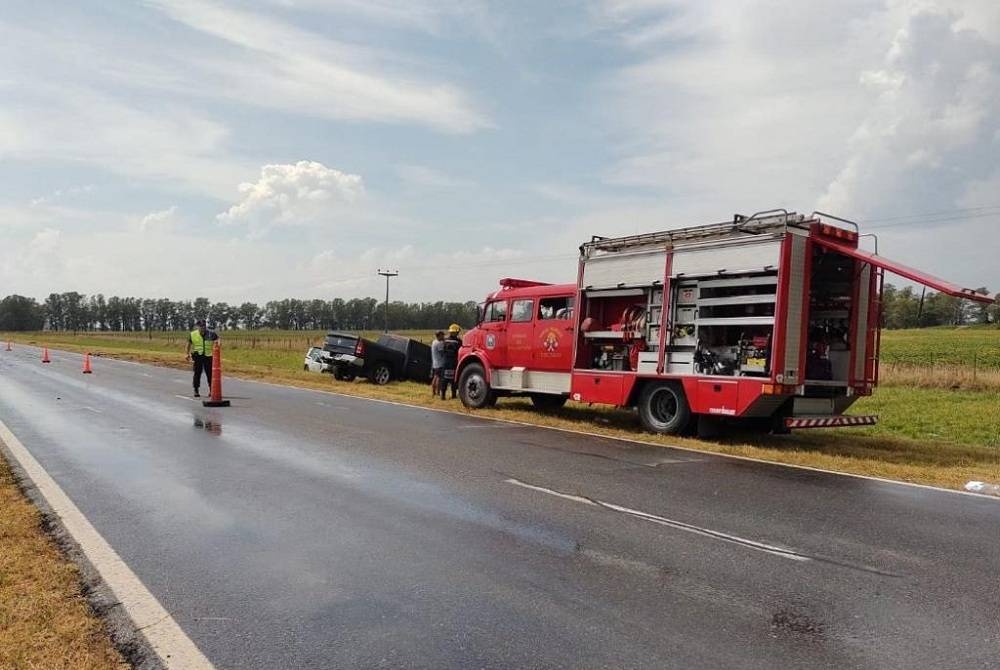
[{"x": 299, "y": 529}]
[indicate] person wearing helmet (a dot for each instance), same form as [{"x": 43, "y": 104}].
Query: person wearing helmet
[{"x": 451, "y": 346}]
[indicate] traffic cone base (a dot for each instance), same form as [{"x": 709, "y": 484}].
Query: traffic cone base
[{"x": 86, "y": 365}]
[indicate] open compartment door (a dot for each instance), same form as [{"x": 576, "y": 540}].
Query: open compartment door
[{"x": 905, "y": 271}]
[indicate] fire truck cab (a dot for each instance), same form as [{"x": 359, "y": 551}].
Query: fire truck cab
[{"x": 773, "y": 317}]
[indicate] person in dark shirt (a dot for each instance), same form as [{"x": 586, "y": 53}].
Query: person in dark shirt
[{"x": 451, "y": 346}]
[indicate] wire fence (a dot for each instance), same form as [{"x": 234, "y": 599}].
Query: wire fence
[{"x": 267, "y": 340}]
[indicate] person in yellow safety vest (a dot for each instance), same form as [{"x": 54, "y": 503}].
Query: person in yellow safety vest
[{"x": 199, "y": 350}]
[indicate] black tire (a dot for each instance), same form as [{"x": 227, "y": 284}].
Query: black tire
[
  {"x": 473, "y": 389},
  {"x": 381, "y": 374},
  {"x": 663, "y": 408},
  {"x": 547, "y": 402},
  {"x": 305, "y": 367}
]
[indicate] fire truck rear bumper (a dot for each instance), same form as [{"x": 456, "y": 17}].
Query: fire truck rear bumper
[{"x": 830, "y": 421}]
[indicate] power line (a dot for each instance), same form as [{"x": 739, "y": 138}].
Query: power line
[
  {"x": 933, "y": 214},
  {"x": 946, "y": 219}
]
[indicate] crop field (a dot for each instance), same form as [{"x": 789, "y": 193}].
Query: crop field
[{"x": 938, "y": 404}]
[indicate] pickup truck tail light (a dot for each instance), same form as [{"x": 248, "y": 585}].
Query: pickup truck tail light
[{"x": 359, "y": 348}]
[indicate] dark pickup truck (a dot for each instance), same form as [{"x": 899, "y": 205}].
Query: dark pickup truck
[{"x": 391, "y": 357}]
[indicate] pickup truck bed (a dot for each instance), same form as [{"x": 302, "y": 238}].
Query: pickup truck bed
[{"x": 391, "y": 357}]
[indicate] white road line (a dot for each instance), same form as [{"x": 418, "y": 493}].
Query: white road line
[
  {"x": 184, "y": 397},
  {"x": 663, "y": 521},
  {"x": 174, "y": 648},
  {"x": 94, "y": 410}
]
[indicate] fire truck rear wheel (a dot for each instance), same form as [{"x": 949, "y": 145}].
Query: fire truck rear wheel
[
  {"x": 473, "y": 388},
  {"x": 663, "y": 408},
  {"x": 547, "y": 401}
]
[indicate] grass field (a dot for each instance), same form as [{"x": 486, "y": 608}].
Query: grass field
[{"x": 45, "y": 622}]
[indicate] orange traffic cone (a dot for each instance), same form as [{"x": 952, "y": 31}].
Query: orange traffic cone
[
  {"x": 86, "y": 364},
  {"x": 215, "y": 398},
  {"x": 45, "y": 355}
]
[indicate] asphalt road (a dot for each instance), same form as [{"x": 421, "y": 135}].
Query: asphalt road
[{"x": 299, "y": 529}]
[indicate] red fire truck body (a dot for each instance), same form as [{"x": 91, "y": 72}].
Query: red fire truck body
[{"x": 774, "y": 317}]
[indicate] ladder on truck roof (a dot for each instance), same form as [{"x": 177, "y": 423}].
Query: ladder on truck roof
[{"x": 761, "y": 222}]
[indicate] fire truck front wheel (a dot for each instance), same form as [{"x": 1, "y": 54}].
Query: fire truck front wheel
[
  {"x": 473, "y": 388},
  {"x": 663, "y": 408}
]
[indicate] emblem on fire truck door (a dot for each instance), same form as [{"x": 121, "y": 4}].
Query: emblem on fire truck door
[
  {"x": 550, "y": 340},
  {"x": 491, "y": 341}
]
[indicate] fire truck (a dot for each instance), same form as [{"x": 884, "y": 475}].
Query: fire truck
[{"x": 772, "y": 319}]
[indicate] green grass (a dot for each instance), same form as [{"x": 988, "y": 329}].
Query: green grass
[
  {"x": 928, "y": 431},
  {"x": 965, "y": 346}
]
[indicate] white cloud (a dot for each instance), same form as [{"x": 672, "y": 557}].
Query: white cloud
[
  {"x": 422, "y": 177},
  {"x": 160, "y": 220},
  {"x": 926, "y": 140},
  {"x": 425, "y": 15},
  {"x": 169, "y": 145},
  {"x": 864, "y": 108},
  {"x": 61, "y": 193},
  {"x": 277, "y": 65},
  {"x": 41, "y": 257},
  {"x": 302, "y": 193}
]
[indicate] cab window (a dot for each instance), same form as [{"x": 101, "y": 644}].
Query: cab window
[
  {"x": 496, "y": 311},
  {"x": 555, "y": 308},
  {"x": 521, "y": 310}
]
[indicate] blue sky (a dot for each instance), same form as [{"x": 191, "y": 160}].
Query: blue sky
[{"x": 291, "y": 147}]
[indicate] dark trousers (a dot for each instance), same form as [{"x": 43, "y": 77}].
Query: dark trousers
[
  {"x": 447, "y": 377},
  {"x": 202, "y": 363}
]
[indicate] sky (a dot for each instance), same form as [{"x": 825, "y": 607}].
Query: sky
[{"x": 291, "y": 148}]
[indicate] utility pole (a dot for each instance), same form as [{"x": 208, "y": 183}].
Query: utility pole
[
  {"x": 920, "y": 309},
  {"x": 387, "y": 274}
]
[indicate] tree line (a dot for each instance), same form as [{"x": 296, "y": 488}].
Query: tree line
[
  {"x": 912, "y": 308},
  {"x": 74, "y": 311}
]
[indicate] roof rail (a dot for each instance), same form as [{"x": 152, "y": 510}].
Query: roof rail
[{"x": 760, "y": 222}]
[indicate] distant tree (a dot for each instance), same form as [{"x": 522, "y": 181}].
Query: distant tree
[
  {"x": 249, "y": 316},
  {"x": 20, "y": 313},
  {"x": 54, "y": 314}
]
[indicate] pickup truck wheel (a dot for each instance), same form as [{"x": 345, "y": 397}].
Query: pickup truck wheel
[
  {"x": 380, "y": 374},
  {"x": 547, "y": 401},
  {"x": 663, "y": 408},
  {"x": 306, "y": 368},
  {"x": 473, "y": 388}
]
